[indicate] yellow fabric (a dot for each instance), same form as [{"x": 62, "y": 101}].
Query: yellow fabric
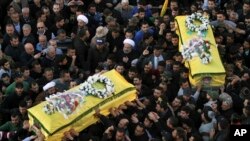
[
  {"x": 164, "y": 8},
  {"x": 217, "y": 80},
  {"x": 55, "y": 121},
  {"x": 215, "y": 68}
]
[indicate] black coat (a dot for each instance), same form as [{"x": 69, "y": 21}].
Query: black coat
[
  {"x": 47, "y": 63},
  {"x": 13, "y": 100},
  {"x": 96, "y": 56},
  {"x": 42, "y": 81},
  {"x": 29, "y": 39},
  {"x": 247, "y": 59},
  {"x": 222, "y": 135},
  {"x": 14, "y": 52},
  {"x": 143, "y": 137},
  {"x": 27, "y": 59},
  {"x": 132, "y": 55},
  {"x": 82, "y": 48}
]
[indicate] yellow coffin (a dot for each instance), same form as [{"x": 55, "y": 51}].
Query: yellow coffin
[
  {"x": 212, "y": 74},
  {"x": 53, "y": 126}
]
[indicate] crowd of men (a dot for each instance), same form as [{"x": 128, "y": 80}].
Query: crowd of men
[{"x": 50, "y": 46}]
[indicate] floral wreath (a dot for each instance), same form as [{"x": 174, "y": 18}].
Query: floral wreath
[
  {"x": 197, "y": 28},
  {"x": 88, "y": 89},
  {"x": 65, "y": 103},
  {"x": 197, "y": 47}
]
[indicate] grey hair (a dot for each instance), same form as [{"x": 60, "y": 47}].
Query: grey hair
[
  {"x": 224, "y": 96},
  {"x": 124, "y": 1},
  {"x": 50, "y": 48},
  {"x": 25, "y": 26},
  {"x": 42, "y": 36},
  {"x": 25, "y": 8},
  {"x": 228, "y": 102}
]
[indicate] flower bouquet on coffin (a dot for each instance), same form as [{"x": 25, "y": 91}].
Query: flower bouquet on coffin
[
  {"x": 65, "y": 103},
  {"x": 200, "y": 29},
  {"x": 197, "y": 47},
  {"x": 98, "y": 85}
]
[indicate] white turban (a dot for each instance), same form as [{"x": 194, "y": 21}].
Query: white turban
[
  {"x": 130, "y": 42},
  {"x": 82, "y": 18},
  {"x": 49, "y": 85}
]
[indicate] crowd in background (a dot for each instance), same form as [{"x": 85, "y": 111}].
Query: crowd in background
[{"x": 66, "y": 41}]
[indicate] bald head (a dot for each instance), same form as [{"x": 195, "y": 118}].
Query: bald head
[{"x": 29, "y": 48}]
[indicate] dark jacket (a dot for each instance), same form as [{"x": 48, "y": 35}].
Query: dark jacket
[
  {"x": 131, "y": 56},
  {"x": 26, "y": 59},
  {"x": 40, "y": 97},
  {"x": 143, "y": 137},
  {"x": 115, "y": 42},
  {"x": 29, "y": 39},
  {"x": 221, "y": 136},
  {"x": 96, "y": 56},
  {"x": 14, "y": 52},
  {"x": 246, "y": 57},
  {"x": 6, "y": 41},
  {"x": 35, "y": 75},
  {"x": 12, "y": 100},
  {"x": 82, "y": 48},
  {"x": 42, "y": 81},
  {"x": 47, "y": 62}
]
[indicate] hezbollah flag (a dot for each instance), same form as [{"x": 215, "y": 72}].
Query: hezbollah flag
[
  {"x": 53, "y": 126},
  {"x": 210, "y": 75},
  {"x": 164, "y": 8}
]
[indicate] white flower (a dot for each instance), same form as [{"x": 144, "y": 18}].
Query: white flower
[
  {"x": 63, "y": 102},
  {"x": 191, "y": 25},
  {"x": 197, "y": 47},
  {"x": 101, "y": 93}
]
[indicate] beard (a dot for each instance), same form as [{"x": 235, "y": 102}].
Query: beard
[{"x": 126, "y": 51}]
